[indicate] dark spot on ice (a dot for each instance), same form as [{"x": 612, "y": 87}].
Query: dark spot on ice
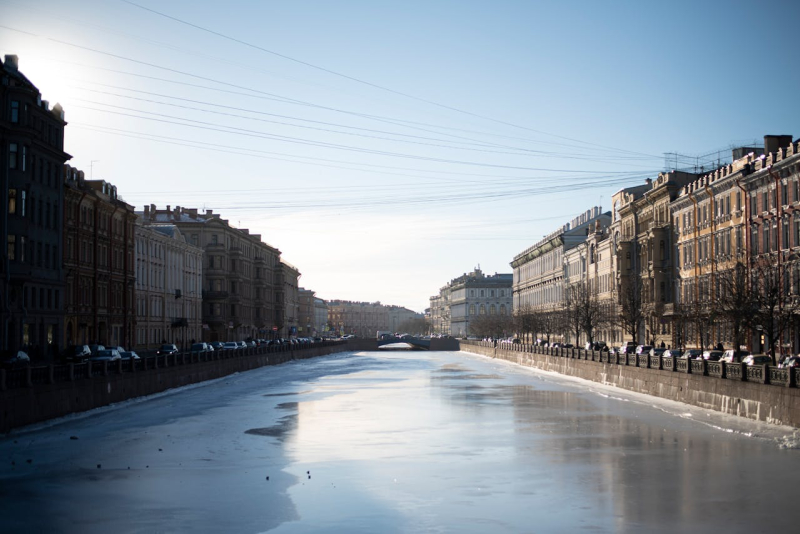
[
  {"x": 73, "y": 437},
  {"x": 147, "y": 467},
  {"x": 287, "y": 406},
  {"x": 159, "y": 450},
  {"x": 286, "y": 424},
  {"x": 267, "y": 477},
  {"x": 99, "y": 466},
  {"x": 284, "y": 394},
  {"x": 29, "y": 460}
]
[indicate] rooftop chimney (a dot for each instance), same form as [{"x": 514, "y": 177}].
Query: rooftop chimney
[
  {"x": 773, "y": 142},
  {"x": 11, "y": 62},
  {"x": 147, "y": 212}
]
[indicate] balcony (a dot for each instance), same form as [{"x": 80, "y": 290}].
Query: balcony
[
  {"x": 180, "y": 322},
  {"x": 215, "y": 247},
  {"x": 235, "y": 252},
  {"x": 215, "y": 295}
]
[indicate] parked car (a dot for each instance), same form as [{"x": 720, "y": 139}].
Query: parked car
[
  {"x": 117, "y": 348},
  {"x": 657, "y": 351},
  {"x": 672, "y": 353},
  {"x": 95, "y": 348},
  {"x": 129, "y": 355},
  {"x": 757, "y": 359},
  {"x": 17, "y": 360},
  {"x": 791, "y": 361},
  {"x": 168, "y": 348},
  {"x": 692, "y": 354},
  {"x": 251, "y": 344},
  {"x": 76, "y": 353},
  {"x": 230, "y": 345},
  {"x": 216, "y": 345},
  {"x": 644, "y": 349},
  {"x": 106, "y": 355},
  {"x": 734, "y": 356},
  {"x": 201, "y": 347},
  {"x": 597, "y": 345},
  {"x": 712, "y": 355}
]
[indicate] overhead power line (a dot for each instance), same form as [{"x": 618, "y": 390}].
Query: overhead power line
[{"x": 370, "y": 84}]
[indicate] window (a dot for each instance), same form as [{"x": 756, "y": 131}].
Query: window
[
  {"x": 15, "y": 111},
  {"x": 472, "y": 309},
  {"x": 12, "y": 201},
  {"x": 24, "y": 157},
  {"x": 22, "y": 249},
  {"x": 12, "y": 155},
  {"x": 12, "y": 247},
  {"x": 22, "y": 203},
  {"x": 492, "y": 310}
]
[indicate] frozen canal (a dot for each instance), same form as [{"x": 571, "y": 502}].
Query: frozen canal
[{"x": 399, "y": 442}]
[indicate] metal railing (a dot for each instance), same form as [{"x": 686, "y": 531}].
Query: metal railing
[{"x": 768, "y": 375}]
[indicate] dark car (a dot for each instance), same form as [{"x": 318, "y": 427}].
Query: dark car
[
  {"x": 76, "y": 353},
  {"x": 106, "y": 355},
  {"x": 94, "y": 348},
  {"x": 202, "y": 347},
  {"x": 216, "y": 345},
  {"x": 129, "y": 355},
  {"x": 17, "y": 360},
  {"x": 167, "y": 349}
]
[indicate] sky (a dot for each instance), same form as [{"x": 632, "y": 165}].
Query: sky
[{"x": 387, "y": 148}]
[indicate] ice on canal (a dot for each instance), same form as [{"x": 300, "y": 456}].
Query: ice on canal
[{"x": 399, "y": 442}]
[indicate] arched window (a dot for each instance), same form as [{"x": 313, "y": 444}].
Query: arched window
[
  {"x": 472, "y": 309},
  {"x": 492, "y": 310},
  {"x": 483, "y": 309},
  {"x": 502, "y": 309}
]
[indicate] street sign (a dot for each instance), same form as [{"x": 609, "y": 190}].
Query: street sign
[{"x": 274, "y": 328}]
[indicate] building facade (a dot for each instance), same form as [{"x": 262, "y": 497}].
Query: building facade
[
  {"x": 288, "y": 298},
  {"x": 169, "y": 279},
  {"x": 98, "y": 263},
  {"x": 540, "y": 271},
  {"x": 238, "y": 289},
  {"x": 31, "y": 158},
  {"x": 466, "y": 297}
]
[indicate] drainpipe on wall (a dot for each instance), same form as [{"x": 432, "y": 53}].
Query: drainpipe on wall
[
  {"x": 747, "y": 245},
  {"x": 696, "y": 247},
  {"x": 712, "y": 206}
]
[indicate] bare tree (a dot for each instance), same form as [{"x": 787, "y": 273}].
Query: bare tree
[
  {"x": 525, "y": 322},
  {"x": 550, "y": 323},
  {"x": 631, "y": 313},
  {"x": 655, "y": 315},
  {"x": 583, "y": 311},
  {"x": 734, "y": 302},
  {"x": 494, "y": 326},
  {"x": 775, "y": 306}
]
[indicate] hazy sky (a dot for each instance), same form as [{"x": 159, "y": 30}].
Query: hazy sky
[{"x": 387, "y": 147}]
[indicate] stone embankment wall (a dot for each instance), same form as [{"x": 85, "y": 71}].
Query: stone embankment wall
[
  {"x": 763, "y": 392},
  {"x": 35, "y": 394}
]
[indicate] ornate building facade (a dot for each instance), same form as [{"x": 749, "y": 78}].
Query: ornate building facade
[
  {"x": 169, "y": 278},
  {"x": 98, "y": 263},
  {"x": 31, "y": 274},
  {"x": 238, "y": 289}
]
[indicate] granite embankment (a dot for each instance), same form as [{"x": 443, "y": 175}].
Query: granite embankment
[{"x": 763, "y": 392}]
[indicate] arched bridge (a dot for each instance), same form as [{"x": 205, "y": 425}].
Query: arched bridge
[{"x": 414, "y": 342}]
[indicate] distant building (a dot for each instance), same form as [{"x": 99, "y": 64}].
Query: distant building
[
  {"x": 169, "y": 281},
  {"x": 362, "y": 319},
  {"x": 31, "y": 275},
  {"x": 468, "y": 296},
  {"x": 288, "y": 299},
  {"x": 320, "y": 316},
  {"x": 539, "y": 271},
  {"x": 239, "y": 288},
  {"x": 99, "y": 263},
  {"x": 399, "y": 316}
]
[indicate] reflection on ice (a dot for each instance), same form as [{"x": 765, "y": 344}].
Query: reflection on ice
[{"x": 400, "y": 442}]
